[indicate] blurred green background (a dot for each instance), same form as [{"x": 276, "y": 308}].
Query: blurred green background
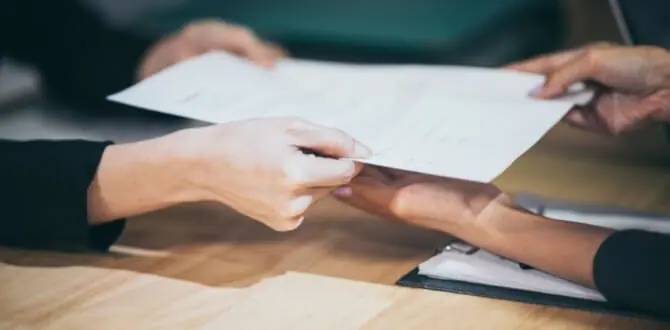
[{"x": 473, "y": 32}]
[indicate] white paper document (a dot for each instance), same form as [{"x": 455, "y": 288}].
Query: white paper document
[
  {"x": 482, "y": 267},
  {"x": 468, "y": 123}
]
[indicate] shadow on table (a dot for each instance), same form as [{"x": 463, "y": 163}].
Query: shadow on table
[{"x": 214, "y": 246}]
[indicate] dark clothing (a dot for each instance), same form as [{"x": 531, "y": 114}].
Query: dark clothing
[
  {"x": 80, "y": 59},
  {"x": 45, "y": 183},
  {"x": 648, "y": 21},
  {"x": 44, "y": 201},
  {"x": 632, "y": 269}
]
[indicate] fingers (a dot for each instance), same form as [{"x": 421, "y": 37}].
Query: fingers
[
  {"x": 587, "y": 119},
  {"x": 213, "y": 35},
  {"x": 564, "y": 69},
  {"x": 327, "y": 141},
  {"x": 559, "y": 81},
  {"x": 578, "y": 117},
  {"x": 291, "y": 214},
  {"x": 369, "y": 174},
  {"x": 277, "y": 51},
  {"x": 325, "y": 169},
  {"x": 543, "y": 64},
  {"x": 370, "y": 195},
  {"x": 618, "y": 113},
  {"x": 547, "y": 63},
  {"x": 377, "y": 173},
  {"x": 310, "y": 171},
  {"x": 245, "y": 43}
]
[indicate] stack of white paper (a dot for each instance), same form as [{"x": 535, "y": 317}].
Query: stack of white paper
[{"x": 468, "y": 123}]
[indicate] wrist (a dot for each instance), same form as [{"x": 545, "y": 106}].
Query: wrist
[
  {"x": 493, "y": 225},
  {"x": 137, "y": 178},
  {"x": 561, "y": 248}
]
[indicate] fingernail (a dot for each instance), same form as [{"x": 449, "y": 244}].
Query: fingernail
[
  {"x": 362, "y": 151},
  {"x": 342, "y": 192},
  {"x": 536, "y": 91}
]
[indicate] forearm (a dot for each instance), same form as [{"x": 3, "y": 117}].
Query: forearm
[
  {"x": 561, "y": 248},
  {"x": 137, "y": 178}
]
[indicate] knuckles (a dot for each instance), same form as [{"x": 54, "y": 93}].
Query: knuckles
[{"x": 293, "y": 176}]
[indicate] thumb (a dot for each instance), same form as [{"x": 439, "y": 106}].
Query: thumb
[
  {"x": 329, "y": 142},
  {"x": 559, "y": 81},
  {"x": 368, "y": 194}
]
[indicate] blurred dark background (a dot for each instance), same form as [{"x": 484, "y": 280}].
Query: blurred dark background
[
  {"x": 474, "y": 32},
  {"x": 470, "y": 32}
]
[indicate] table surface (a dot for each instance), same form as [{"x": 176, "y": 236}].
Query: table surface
[{"x": 187, "y": 266}]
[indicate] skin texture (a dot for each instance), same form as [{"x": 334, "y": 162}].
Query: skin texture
[
  {"x": 632, "y": 84},
  {"x": 481, "y": 215},
  {"x": 256, "y": 167}
]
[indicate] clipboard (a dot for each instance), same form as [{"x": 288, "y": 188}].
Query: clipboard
[{"x": 415, "y": 279}]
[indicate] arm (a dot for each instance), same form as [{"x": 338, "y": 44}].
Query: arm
[
  {"x": 71, "y": 194},
  {"x": 81, "y": 59},
  {"x": 629, "y": 268}
]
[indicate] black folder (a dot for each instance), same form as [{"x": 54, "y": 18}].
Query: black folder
[{"x": 416, "y": 280}]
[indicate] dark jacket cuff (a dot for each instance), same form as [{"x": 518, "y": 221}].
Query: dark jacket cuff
[
  {"x": 101, "y": 237},
  {"x": 631, "y": 270},
  {"x": 46, "y": 190}
]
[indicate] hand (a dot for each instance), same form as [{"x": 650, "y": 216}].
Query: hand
[
  {"x": 258, "y": 167},
  {"x": 203, "y": 36},
  {"x": 426, "y": 201},
  {"x": 635, "y": 84}
]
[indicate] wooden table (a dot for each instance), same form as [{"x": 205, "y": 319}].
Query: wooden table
[{"x": 201, "y": 249}]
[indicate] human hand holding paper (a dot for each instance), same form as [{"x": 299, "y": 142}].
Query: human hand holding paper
[
  {"x": 257, "y": 167},
  {"x": 635, "y": 84}
]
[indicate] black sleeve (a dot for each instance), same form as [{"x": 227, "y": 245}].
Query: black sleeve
[
  {"x": 44, "y": 187},
  {"x": 632, "y": 269},
  {"x": 81, "y": 59}
]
